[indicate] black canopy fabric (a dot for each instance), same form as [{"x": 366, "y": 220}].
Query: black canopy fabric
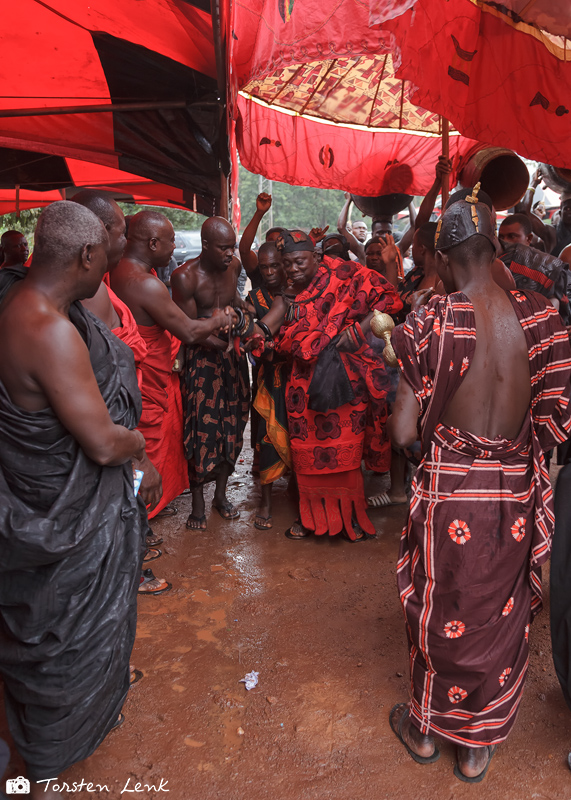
[{"x": 154, "y": 66}]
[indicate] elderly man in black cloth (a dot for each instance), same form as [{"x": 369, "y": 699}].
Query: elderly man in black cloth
[{"x": 70, "y": 530}]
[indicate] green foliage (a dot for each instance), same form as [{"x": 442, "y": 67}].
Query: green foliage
[
  {"x": 181, "y": 220},
  {"x": 26, "y": 224},
  {"x": 293, "y": 206}
]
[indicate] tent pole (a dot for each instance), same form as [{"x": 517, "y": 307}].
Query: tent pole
[
  {"x": 108, "y": 108},
  {"x": 219, "y": 13},
  {"x": 446, "y": 154},
  {"x": 17, "y": 201},
  {"x": 224, "y": 199}
]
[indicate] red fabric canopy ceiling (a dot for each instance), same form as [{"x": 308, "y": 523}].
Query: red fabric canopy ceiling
[
  {"x": 498, "y": 79},
  {"x": 62, "y": 53},
  {"x": 323, "y": 61}
]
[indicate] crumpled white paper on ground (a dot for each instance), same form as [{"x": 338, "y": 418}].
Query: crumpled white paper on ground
[{"x": 250, "y": 680}]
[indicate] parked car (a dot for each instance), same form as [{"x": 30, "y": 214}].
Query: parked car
[{"x": 187, "y": 245}]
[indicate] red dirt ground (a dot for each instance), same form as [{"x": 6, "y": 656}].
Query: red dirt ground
[{"x": 321, "y": 622}]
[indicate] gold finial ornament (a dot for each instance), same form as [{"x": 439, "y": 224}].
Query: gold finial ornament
[
  {"x": 473, "y": 198},
  {"x": 382, "y": 326}
]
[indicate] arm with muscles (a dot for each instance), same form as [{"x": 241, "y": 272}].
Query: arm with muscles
[
  {"x": 64, "y": 374},
  {"x": 526, "y": 202},
  {"x": 174, "y": 317},
  {"x": 443, "y": 167},
  {"x": 402, "y": 424},
  {"x": 390, "y": 256},
  {"x": 408, "y": 235},
  {"x": 344, "y": 215},
  {"x": 273, "y": 320},
  {"x": 546, "y": 233},
  {"x": 248, "y": 257},
  {"x": 355, "y": 245}
]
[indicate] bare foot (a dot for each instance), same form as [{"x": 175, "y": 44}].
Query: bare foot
[
  {"x": 472, "y": 761},
  {"x": 152, "y": 585},
  {"x": 420, "y": 744},
  {"x": 263, "y": 521},
  {"x": 195, "y": 523}
]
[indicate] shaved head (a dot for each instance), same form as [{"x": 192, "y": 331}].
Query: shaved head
[
  {"x": 147, "y": 224},
  {"x": 151, "y": 239},
  {"x": 218, "y": 243},
  {"x": 100, "y": 203},
  {"x": 64, "y": 229},
  {"x": 217, "y": 228},
  {"x": 108, "y": 211}
]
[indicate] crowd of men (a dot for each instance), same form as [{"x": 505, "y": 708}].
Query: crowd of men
[{"x": 116, "y": 398}]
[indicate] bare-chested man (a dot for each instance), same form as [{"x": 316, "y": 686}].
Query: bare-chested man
[
  {"x": 215, "y": 385},
  {"x": 488, "y": 371},
  {"x": 69, "y": 526},
  {"x": 13, "y": 249},
  {"x": 163, "y": 326}
]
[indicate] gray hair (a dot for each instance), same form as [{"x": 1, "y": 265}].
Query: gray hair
[{"x": 63, "y": 230}]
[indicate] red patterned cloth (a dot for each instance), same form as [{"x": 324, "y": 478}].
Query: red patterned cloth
[
  {"x": 327, "y": 447},
  {"x": 161, "y": 420},
  {"x": 480, "y": 524}
]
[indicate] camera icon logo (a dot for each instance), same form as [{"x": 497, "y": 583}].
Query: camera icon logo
[{"x": 18, "y": 785}]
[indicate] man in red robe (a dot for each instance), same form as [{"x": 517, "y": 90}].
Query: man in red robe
[
  {"x": 489, "y": 374},
  {"x": 334, "y": 374},
  {"x": 163, "y": 326}
]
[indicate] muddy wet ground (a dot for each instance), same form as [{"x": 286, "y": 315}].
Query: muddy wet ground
[{"x": 321, "y": 623}]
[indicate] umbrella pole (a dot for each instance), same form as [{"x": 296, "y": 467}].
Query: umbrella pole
[{"x": 446, "y": 154}]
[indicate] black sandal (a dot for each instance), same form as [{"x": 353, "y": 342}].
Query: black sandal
[
  {"x": 226, "y": 510},
  {"x": 201, "y": 526},
  {"x": 302, "y": 534}
]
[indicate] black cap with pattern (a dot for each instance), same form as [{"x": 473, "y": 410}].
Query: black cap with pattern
[
  {"x": 292, "y": 241},
  {"x": 462, "y": 220}
]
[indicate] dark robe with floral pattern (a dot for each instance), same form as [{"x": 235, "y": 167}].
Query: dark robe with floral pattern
[{"x": 480, "y": 523}]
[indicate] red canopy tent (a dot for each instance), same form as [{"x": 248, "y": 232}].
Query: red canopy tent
[
  {"x": 500, "y": 72},
  {"x": 298, "y": 63},
  {"x": 131, "y": 86}
]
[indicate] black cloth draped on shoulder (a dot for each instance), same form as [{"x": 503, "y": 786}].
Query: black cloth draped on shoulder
[{"x": 70, "y": 557}]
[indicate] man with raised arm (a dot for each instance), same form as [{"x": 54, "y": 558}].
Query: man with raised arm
[
  {"x": 247, "y": 254},
  {"x": 163, "y": 326},
  {"x": 215, "y": 381},
  {"x": 69, "y": 526},
  {"x": 488, "y": 371}
]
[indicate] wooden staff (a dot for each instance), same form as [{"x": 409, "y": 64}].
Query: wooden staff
[{"x": 446, "y": 154}]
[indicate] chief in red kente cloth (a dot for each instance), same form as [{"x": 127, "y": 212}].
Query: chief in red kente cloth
[{"x": 334, "y": 373}]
